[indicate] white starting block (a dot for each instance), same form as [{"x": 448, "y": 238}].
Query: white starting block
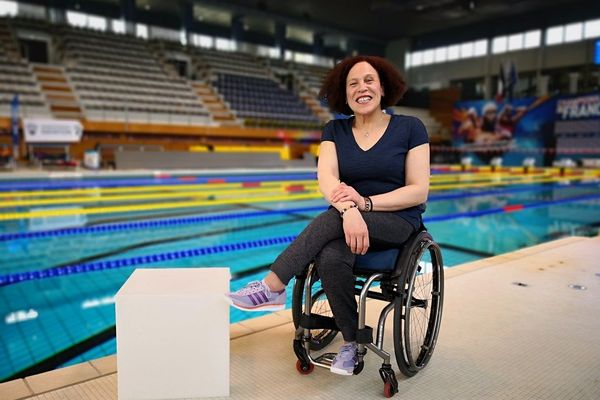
[{"x": 173, "y": 334}]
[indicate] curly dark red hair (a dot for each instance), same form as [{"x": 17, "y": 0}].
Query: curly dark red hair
[{"x": 333, "y": 88}]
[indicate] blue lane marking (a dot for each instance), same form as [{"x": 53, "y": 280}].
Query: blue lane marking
[
  {"x": 133, "y": 261},
  {"x": 181, "y": 180},
  {"x": 479, "y": 213},
  {"x": 155, "y": 223},
  {"x": 528, "y": 188},
  {"x": 222, "y": 217}
]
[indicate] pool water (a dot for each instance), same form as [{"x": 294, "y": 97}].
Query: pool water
[{"x": 59, "y": 273}]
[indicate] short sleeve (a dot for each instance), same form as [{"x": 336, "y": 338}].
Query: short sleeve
[
  {"x": 418, "y": 134},
  {"x": 327, "y": 134}
]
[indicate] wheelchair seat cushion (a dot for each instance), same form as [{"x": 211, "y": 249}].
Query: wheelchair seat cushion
[{"x": 384, "y": 260}]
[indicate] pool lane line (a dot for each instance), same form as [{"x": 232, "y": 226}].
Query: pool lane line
[
  {"x": 153, "y": 223},
  {"x": 504, "y": 183},
  {"x": 50, "y": 192},
  {"x": 162, "y": 196},
  {"x": 156, "y": 206},
  {"x": 510, "y": 208},
  {"x": 529, "y": 188},
  {"x": 127, "y": 218},
  {"x": 9, "y": 279},
  {"x": 156, "y": 242},
  {"x": 110, "y": 183},
  {"x": 240, "y": 215},
  {"x": 140, "y": 260},
  {"x": 95, "y": 191},
  {"x": 246, "y": 188},
  {"x": 200, "y": 203},
  {"x": 152, "y": 189}
]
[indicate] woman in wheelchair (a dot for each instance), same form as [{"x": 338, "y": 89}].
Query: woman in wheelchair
[{"x": 373, "y": 169}]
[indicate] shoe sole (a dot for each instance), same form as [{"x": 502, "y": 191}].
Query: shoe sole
[
  {"x": 340, "y": 371},
  {"x": 266, "y": 307}
]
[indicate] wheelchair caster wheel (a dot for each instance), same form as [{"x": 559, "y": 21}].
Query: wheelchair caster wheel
[
  {"x": 304, "y": 368},
  {"x": 388, "y": 390},
  {"x": 359, "y": 367},
  {"x": 390, "y": 384}
]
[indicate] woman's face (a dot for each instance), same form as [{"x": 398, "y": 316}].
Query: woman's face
[{"x": 363, "y": 89}]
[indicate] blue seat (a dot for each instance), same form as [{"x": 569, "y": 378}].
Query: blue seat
[{"x": 382, "y": 261}]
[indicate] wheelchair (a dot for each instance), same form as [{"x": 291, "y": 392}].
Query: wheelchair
[{"x": 411, "y": 280}]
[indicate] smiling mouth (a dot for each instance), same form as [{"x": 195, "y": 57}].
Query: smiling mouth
[{"x": 364, "y": 99}]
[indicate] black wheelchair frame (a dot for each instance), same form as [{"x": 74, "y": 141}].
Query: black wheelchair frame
[{"x": 401, "y": 287}]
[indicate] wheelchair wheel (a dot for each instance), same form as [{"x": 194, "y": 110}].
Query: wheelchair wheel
[
  {"x": 418, "y": 310},
  {"x": 320, "y": 338}
]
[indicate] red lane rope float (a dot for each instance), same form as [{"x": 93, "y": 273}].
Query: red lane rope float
[
  {"x": 295, "y": 188},
  {"x": 251, "y": 184},
  {"x": 513, "y": 207}
]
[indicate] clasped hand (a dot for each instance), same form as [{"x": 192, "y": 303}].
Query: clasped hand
[{"x": 355, "y": 229}]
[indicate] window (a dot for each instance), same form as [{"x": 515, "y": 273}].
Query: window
[
  {"x": 453, "y": 52},
  {"x": 98, "y": 23},
  {"x": 407, "y": 57},
  {"x": 573, "y": 32},
  {"x": 225, "y": 44},
  {"x": 118, "y": 26},
  {"x": 480, "y": 47},
  {"x": 183, "y": 37},
  {"x": 428, "y": 57},
  {"x": 466, "y": 50},
  {"x": 304, "y": 58},
  {"x": 533, "y": 39},
  {"x": 554, "y": 35},
  {"x": 441, "y": 54},
  {"x": 515, "y": 42},
  {"x": 499, "y": 44},
  {"x": 75, "y": 18},
  {"x": 208, "y": 42},
  {"x": 141, "y": 31},
  {"x": 417, "y": 58},
  {"x": 8, "y": 8},
  {"x": 591, "y": 29}
]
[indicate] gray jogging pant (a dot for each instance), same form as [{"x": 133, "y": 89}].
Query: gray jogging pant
[{"x": 323, "y": 240}]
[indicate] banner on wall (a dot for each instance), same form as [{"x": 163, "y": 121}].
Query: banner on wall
[
  {"x": 545, "y": 128},
  {"x": 578, "y": 114},
  {"x": 52, "y": 131},
  {"x": 488, "y": 129}
]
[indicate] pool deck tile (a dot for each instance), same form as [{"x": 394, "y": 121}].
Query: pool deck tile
[
  {"x": 61, "y": 377},
  {"x": 105, "y": 365},
  {"x": 16, "y": 389}
]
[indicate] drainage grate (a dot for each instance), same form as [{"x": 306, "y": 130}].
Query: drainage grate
[
  {"x": 523, "y": 284},
  {"x": 577, "y": 287}
]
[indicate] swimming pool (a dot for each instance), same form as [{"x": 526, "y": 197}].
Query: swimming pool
[{"x": 69, "y": 243}]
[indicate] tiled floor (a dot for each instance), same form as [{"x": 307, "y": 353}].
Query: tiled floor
[{"x": 497, "y": 341}]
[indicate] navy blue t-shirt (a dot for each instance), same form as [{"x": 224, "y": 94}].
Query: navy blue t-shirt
[{"x": 380, "y": 169}]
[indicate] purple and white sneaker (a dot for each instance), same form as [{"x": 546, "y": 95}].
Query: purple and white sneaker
[
  {"x": 345, "y": 360},
  {"x": 256, "y": 296}
]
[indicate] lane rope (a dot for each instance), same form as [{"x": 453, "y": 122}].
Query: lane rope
[
  {"x": 242, "y": 215},
  {"x": 201, "y": 251}
]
